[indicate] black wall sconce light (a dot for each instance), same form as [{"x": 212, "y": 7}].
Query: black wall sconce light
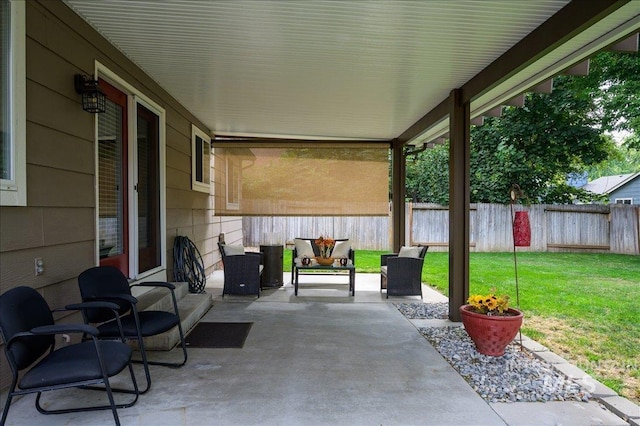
[{"x": 93, "y": 99}]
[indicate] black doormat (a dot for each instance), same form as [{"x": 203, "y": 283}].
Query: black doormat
[{"x": 218, "y": 335}]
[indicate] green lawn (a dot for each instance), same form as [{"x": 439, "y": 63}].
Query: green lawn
[{"x": 585, "y": 307}]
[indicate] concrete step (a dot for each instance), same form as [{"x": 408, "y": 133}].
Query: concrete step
[
  {"x": 159, "y": 298},
  {"x": 191, "y": 308}
]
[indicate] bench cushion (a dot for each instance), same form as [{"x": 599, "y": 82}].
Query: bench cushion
[
  {"x": 410, "y": 252},
  {"x": 303, "y": 248},
  {"x": 341, "y": 249},
  {"x": 230, "y": 250}
]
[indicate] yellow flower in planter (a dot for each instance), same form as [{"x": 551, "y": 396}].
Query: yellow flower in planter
[{"x": 489, "y": 304}]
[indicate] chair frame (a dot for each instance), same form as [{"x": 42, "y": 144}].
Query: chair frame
[
  {"x": 241, "y": 272},
  {"x": 404, "y": 274},
  {"x": 52, "y": 330},
  {"x": 127, "y": 304}
]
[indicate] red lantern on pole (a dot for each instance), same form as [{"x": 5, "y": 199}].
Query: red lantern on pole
[{"x": 521, "y": 229}]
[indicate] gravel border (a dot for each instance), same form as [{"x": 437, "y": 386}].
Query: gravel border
[
  {"x": 517, "y": 376},
  {"x": 424, "y": 310}
]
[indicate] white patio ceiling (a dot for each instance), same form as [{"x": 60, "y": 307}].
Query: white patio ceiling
[{"x": 334, "y": 69}]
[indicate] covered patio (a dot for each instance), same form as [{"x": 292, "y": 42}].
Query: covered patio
[
  {"x": 322, "y": 358},
  {"x": 406, "y": 75},
  {"x": 401, "y": 74}
]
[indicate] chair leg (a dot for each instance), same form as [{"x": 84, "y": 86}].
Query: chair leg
[
  {"x": 112, "y": 405},
  {"x": 135, "y": 391},
  {"x": 5, "y": 411},
  {"x": 146, "y": 363},
  {"x": 184, "y": 353},
  {"x": 107, "y": 387},
  {"x": 111, "y": 401}
]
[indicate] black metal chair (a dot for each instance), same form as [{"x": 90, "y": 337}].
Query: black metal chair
[
  {"x": 106, "y": 283},
  {"x": 241, "y": 272},
  {"x": 402, "y": 275},
  {"x": 28, "y": 330}
]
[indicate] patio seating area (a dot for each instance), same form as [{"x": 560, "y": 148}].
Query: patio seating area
[{"x": 323, "y": 357}]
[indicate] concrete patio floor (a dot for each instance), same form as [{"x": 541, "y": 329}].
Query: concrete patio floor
[{"x": 322, "y": 358}]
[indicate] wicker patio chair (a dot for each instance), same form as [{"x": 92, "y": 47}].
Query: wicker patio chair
[
  {"x": 401, "y": 273},
  {"x": 242, "y": 270}
]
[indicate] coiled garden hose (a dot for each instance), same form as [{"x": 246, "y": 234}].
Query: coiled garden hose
[{"x": 188, "y": 265}]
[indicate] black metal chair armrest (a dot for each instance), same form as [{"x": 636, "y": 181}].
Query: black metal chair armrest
[
  {"x": 66, "y": 328},
  {"x": 113, "y": 296},
  {"x": 162, "y": 284},
  {"x": 89, "y": 305}
]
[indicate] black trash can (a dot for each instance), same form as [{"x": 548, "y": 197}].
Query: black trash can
[{"x": 272, "y": 273}]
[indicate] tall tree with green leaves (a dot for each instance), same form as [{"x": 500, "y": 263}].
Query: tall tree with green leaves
[
  {"x": 537, "y": 146},
  {"x": 552, "y": 136},
  {"x": 428, "y": 175},
  {"x": 614, "y": 85}
]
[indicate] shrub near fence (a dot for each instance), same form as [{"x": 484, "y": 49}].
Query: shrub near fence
[{"x": 610, "y": 228}]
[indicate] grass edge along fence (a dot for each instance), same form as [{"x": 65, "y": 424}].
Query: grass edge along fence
[{"x": 597, "y": 228}]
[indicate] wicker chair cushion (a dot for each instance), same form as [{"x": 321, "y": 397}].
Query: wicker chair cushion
[
  {"x": 410, "y": 252},
  {"x": 383, "y": 270},
  {"x": 303, "y": 248},
  {"x": 341, "y": 249},
  {"x": 230, "y": 250}
]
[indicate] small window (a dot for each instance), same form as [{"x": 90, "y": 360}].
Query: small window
[
  {"x": 13, "y": 176},
  {"x": 200, "y": 160},
  {"x": 624, "y": 200},
  {"x": 233, "y": 183}
]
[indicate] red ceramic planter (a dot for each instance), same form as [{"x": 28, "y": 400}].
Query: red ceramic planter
[{"x": 491, "y": 334}]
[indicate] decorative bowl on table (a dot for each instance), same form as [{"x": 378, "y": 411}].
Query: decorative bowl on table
[{"x": 325, "y": 261}]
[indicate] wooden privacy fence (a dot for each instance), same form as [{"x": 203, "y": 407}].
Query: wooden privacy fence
[
  {"x": 365, "y": 232},
  {"x": 610, "y": 228}
]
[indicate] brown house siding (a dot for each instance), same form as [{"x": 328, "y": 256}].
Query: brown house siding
[{"x": 58, "y": 223}]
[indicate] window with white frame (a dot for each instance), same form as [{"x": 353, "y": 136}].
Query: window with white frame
[
  {"x": 624, "y": 200},
  {"x": 233, "y": 183},
  {"x": 13, "y": 177},
  {"x": 200, "y": 160}
]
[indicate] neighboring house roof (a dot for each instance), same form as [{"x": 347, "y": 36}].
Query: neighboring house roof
[{"x": 608, "y": 184}]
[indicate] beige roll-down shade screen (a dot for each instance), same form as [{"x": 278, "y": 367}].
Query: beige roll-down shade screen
[{"x": 301, "y": 180}]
